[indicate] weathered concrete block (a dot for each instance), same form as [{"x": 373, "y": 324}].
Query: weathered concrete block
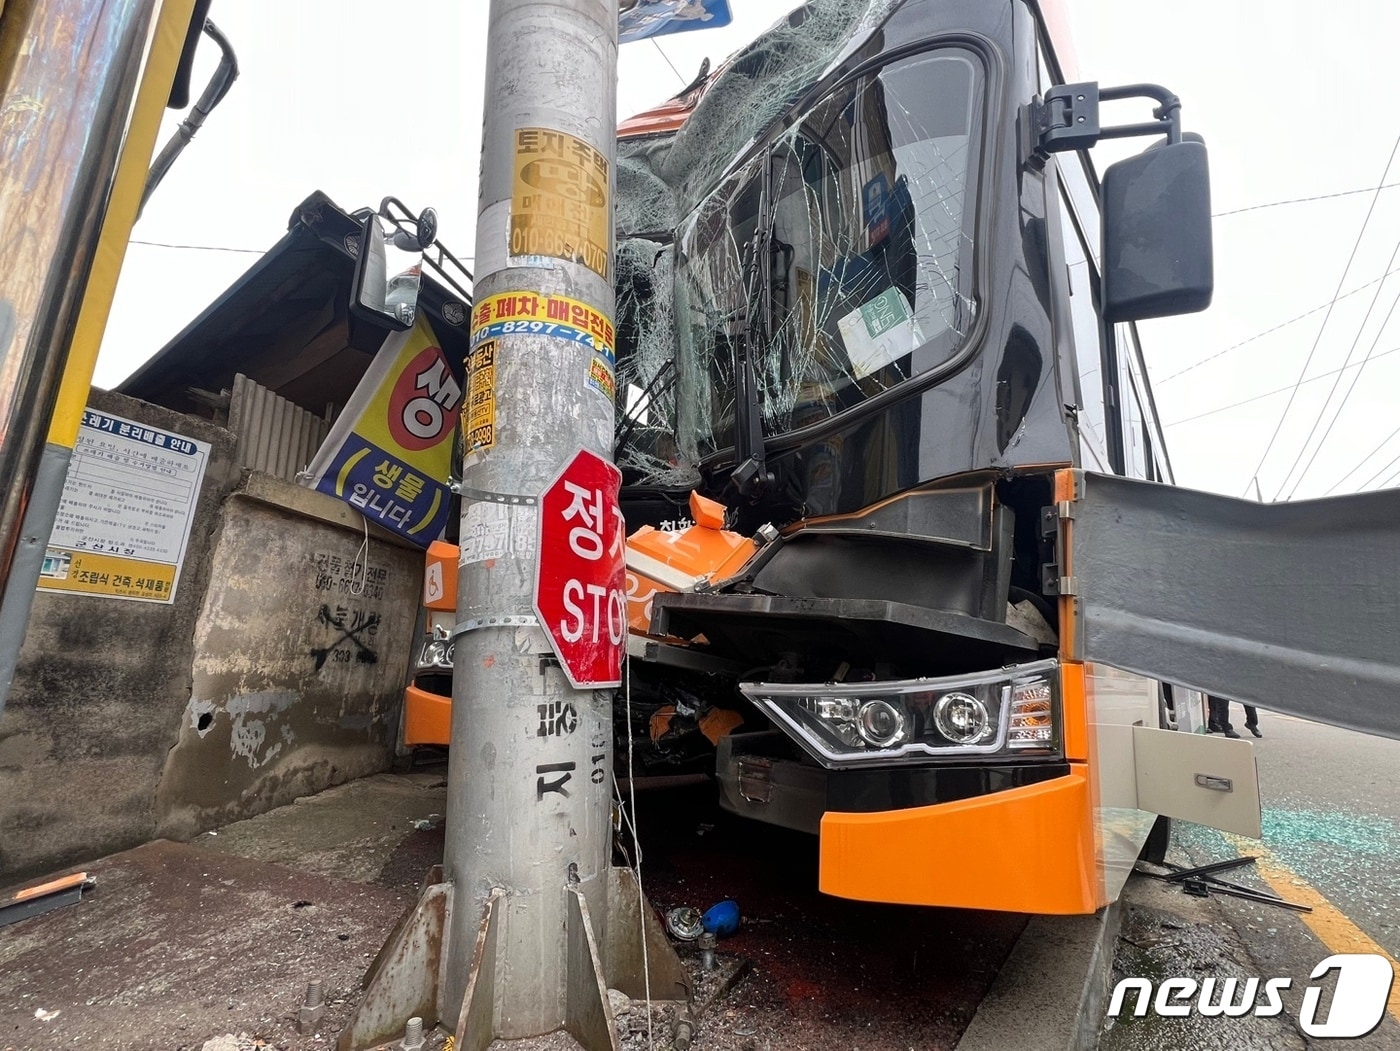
[
  {"x": 99, "y": 690},
  {"x": 276, "y": 672},
  {"x": 301, "y": 654}
]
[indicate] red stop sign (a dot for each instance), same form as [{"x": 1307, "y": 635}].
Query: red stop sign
[{"x": 580, "y": 575}]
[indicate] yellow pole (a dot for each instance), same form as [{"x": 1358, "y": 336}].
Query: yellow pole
[
  {"x": 85, "y": 238},
  {"x": 171, "y": 27}
]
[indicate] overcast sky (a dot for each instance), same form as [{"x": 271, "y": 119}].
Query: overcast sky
[{"x": 1294, "y": 101}]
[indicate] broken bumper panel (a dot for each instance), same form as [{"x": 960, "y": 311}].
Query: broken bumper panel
[{"x": 427, "y": 717}]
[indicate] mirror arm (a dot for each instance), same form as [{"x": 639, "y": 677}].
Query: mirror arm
[
  {"x": 219, "y": 83},
  {"x": 387, "y": 212},
  {"x": 1068, "y": 117},
  {"x": 1168, "y": 113}
]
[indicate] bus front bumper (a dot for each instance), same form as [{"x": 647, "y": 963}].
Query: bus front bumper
[
  {"x": 1012, "y": 838},
  {"x": 1028, "y": 849}
]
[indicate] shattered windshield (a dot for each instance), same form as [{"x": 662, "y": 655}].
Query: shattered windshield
[{"x": 841, "y": 259}]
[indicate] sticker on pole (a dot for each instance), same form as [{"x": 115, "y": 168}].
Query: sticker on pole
[{"x": 580, "y": 581}]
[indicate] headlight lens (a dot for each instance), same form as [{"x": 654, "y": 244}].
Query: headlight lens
[
  {"x": 856, "y": 724},
  {"x": 962, "y": 718},
  {"x": 881, "y": 723}
]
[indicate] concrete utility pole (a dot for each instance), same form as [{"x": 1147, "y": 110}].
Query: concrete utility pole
[
  {"x": 524, "y": 814},
  {"x": 531, "y": 925}
]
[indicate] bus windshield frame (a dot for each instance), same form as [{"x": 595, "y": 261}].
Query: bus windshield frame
[{"x": 839, "y": 260}]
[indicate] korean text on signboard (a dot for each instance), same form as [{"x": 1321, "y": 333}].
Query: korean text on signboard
[
  {"x": 559, "y": 205},
  {"x": 542, "y": 314},
  {"x": 580, "y": 589},
  {"x": 389, "y": 454},
  {"x": 123, "y": 523}
]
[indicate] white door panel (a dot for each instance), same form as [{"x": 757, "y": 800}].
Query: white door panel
[{"x": 1203, "y": 778}]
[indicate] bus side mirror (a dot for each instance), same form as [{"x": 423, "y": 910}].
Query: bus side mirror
[
  {"x": 1157, "y": 256},
  {"x": 389, "y": 270}
]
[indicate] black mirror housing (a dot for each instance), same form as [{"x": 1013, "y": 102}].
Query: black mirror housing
[
  {"x": 387, "y": 278},
  {"x": 1157, "y": 252}
]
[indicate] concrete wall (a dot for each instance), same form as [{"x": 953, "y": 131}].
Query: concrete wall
[
  {"x": 301, "y": 654},
  {"x": 99, "y": 690},
  {"x": 265, "y": 680}
]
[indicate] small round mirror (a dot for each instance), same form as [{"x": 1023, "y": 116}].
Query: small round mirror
[{"x": 427, "y": 228}]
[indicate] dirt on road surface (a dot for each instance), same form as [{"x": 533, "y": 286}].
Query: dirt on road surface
[{"x": 180, "y": 944}]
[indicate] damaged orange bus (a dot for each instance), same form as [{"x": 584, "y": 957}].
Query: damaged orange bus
[{"x": 907, "y": 570}]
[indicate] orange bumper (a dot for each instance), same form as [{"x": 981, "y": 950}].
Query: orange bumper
[
  {"x": 427, "y": 717},
  {"x": 1026, "y": 849}
]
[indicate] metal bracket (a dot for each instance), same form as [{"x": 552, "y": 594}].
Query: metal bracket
[
  {"x": 1052, "y": 581},
  {"x": 1067, "y": 118},
  {"x": 480, "y": 495},
  {"x": 526, "y": 620}
]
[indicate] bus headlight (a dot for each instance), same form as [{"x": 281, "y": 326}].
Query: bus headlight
[
  {"x": 962, "y": 718},
  {"x": 1012, "y": 709},
  {"x": 1031, "y": 720},
  {"x": 880, "y": 723}
]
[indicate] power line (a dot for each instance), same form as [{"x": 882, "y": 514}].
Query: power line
[
  {"x": 663, "y": 54},
  {"x": 1337, "y": 382},
  {"x": 1304, "y": 200},
  {"x": 246, "y": 251},
  {"x": 1381, "y": 445},
  {"x": 1370, "y": 356},
  {"x": 1270, "y": 331},
  {"x": 1393, "y": 478},
  {"x": 1326, "y": 317},
  {"x": 198, "y": 248},
  {"x": 1382, "y": 471},
  {"x": 1271, "y": 393}
]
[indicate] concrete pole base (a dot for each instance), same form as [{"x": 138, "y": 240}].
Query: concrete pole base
[{"x": 405, "y": 979}]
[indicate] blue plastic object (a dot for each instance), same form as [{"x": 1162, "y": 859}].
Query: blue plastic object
[{"x": 722, "y": 919}]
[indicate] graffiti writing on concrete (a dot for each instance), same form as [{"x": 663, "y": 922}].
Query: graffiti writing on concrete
[
  {"x": 354, "y": 630},
  {"x": 348, "y": 576},
  {"x": 599, "y": 742},
  {"x": 545, "y": 785},
  {"x": 556, "y": 719}
]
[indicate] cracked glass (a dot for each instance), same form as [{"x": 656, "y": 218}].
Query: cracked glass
[{"x": 840, "y": 262}]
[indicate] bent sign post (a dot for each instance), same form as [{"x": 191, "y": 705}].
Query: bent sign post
[{"x": 580, "y": 581}]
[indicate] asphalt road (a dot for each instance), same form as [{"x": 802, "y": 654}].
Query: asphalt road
[{"x": 1332, "y": 840}]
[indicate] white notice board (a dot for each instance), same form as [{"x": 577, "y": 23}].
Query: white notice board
[{"x": 128, "y": 504}]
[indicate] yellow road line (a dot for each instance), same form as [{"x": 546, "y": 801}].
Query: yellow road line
[{"x": 1332, "y": 927}]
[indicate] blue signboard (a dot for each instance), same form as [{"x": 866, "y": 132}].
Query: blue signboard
[{"x": 639, "y": 19}]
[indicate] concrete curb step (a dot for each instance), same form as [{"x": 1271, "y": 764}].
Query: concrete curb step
[{"x": 1049, "y": 995}]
